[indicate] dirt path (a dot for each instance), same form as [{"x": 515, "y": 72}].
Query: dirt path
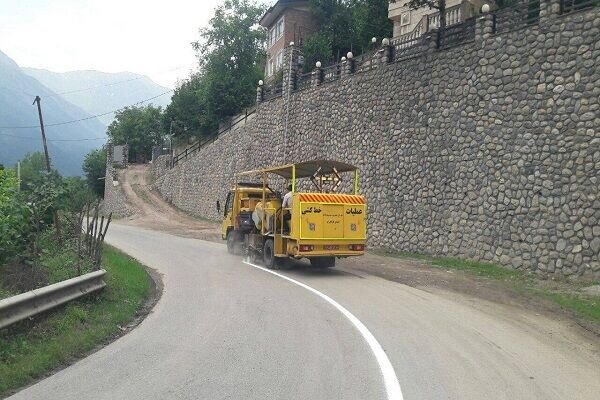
[{"x": 153, "y": 212}]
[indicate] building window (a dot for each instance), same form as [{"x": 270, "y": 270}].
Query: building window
[
  {"x": 405, "y": 19},
  {"x": 279, "y": 63},
  {"x": 276, "y": 32}
]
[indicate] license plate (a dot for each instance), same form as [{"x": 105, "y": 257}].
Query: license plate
[{"x": 331, "y": 247}]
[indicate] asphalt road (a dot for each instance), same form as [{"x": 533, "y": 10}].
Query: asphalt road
[{"x": 227, "y": 330}]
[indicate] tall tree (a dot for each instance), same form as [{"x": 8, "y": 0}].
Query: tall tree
[
  {"x": 230, "y": 56},
  {"x": 94, "y": 167},
  {"x": 346, "y": 25},
  {"x": 140, "y": 128}
]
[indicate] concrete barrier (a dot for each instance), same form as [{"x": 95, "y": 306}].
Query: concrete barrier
[{"x": 26, "y": 305}]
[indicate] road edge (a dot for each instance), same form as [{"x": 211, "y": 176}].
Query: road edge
[{"x": 156, "y": 291}]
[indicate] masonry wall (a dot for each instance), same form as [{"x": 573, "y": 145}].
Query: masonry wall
[
  {"x": 489, "y": 150},
  {"x": 114, "y": 198}
]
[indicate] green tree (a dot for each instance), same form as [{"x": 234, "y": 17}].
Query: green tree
[
  {"x": 231, "y": 60},
  {"x": 14, "y": 217},
  {"x": 346, "y": 25},
  {"x": 94, "y": 167},
  {"x": 140, "y": 128},
  {"x": 33, "y": 170}
]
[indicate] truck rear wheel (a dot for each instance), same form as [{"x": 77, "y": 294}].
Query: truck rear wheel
[
  {"x": 233, "y": 241},
  {"x": 269, "y": 258},
  {"x": 323, "y": 262}
]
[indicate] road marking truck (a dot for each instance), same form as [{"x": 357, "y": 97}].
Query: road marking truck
[{"x": 321, "y": 224}]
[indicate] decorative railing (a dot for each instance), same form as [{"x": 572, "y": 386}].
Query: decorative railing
[
  {"x": 332, "y": 73},
  {"x": 198, "y": 144},
  {"x": 457, "y": 34},
  {"x": 567, "y": 6},
  {"x": 518, "y": 15},
  {"x": 366, "y": 62},
  {"x": 273, "y": 91},
  {"x": 406, "y": 47},
  {"x": 304, "y": 81},
  {"x": 454, "y": 15}
]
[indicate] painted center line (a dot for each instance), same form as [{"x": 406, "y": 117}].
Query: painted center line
[{"x": 392, "y": 386}]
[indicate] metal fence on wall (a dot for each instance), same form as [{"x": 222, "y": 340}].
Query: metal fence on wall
[
  {"x": 198, "y": 144},
  {"x": 456, "y": 34}
]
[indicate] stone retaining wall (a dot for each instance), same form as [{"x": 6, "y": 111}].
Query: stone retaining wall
[{"x": 489, "y": 150}]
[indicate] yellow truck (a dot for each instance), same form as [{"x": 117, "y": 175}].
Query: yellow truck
[{"x": 320, "y": 225}]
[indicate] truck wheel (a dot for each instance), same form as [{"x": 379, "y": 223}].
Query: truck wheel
[
  {"x": 232, "y": 241},
  {"x": 323, "y": 262},
  {"x": 269, "y": 258}
]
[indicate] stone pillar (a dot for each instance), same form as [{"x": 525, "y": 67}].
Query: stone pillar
[
  {"x": 433, "y": 39},
  {"x": 290, "y": 67},
  {"x": 549, "y": 9},
  {"x": 259, "y": 93},
  {"x": 484, "y": 27},
  {"x": 344, "y": 68},
  {"x": 317, "y": 76},
  {"x": 387, "y": 51},
  {"x": 350, "y": 62}
]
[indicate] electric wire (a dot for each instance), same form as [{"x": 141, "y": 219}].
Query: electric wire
[{"x": 90, "y": 117}]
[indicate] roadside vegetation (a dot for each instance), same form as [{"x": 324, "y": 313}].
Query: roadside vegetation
[
  {"x": 568, "y": 295},
  {"x": 31, "y": 349},
  {"x": 39, "y": 229}
]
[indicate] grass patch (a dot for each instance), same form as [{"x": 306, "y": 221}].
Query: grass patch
[
  {"x": 566, "y": 295},
  {"x": 587, "y": 307},
  {"x": 32, "y": 348}
]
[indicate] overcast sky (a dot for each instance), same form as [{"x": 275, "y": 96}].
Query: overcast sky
[{"x": 150, "y": 37}]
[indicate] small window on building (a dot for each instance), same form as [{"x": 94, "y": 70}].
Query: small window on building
[
  {"x": 405, "y": 19},
  {"x": 280, "y": 28},
  {"x": 279, "y": 62}
]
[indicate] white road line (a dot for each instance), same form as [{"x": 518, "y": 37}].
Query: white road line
[{"x": 392, "y": 386}]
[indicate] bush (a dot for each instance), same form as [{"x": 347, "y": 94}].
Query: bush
[{"x": 14, "y": 217}]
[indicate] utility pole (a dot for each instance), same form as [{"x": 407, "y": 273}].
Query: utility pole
[
  {"x": 19, "y": 176},
  {"x": 39, "y": 107},
  {"x": 54, "y": 212}
]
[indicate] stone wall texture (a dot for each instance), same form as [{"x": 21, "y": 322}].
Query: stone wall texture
[
  {"x": 114, "y": 199},
  {"x": 489, "y": 150}
]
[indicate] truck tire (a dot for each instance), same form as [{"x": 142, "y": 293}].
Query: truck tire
[
  {"x": 232, "y": 241},
  {"x": 269, "y": 258},
  {"x": 323, "y": 262}
]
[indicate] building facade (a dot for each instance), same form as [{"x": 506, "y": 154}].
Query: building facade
[
  {"x": 286, "y": 21},
  {"x": 417, "y": 22}
]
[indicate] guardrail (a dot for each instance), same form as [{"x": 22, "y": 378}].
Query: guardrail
[
  {"x": 26, "y": 305},
  {"x": 197, "y": 145}
]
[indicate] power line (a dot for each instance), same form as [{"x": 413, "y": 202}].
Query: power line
[{"x": 90, "y": 117}]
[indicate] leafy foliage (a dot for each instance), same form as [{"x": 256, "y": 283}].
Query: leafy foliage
[
  {"x": 94, "y": 167},
  {"x": 14, "y": 217},
  {"x": 140, "y": 128},
  {"x": 346, "y": 25},
  {"x": 33, "y": 169},
  {"x": 230, "y": 56}
]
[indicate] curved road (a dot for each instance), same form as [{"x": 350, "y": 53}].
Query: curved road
[{"x": 227, "y": 330}]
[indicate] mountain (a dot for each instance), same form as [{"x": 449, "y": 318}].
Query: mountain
[
  {"x": 17, "y": 91},
  {"x": 102, "y": 91}
]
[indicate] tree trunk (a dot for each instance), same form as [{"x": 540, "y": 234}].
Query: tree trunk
[{"x": 442, "y": 8}]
